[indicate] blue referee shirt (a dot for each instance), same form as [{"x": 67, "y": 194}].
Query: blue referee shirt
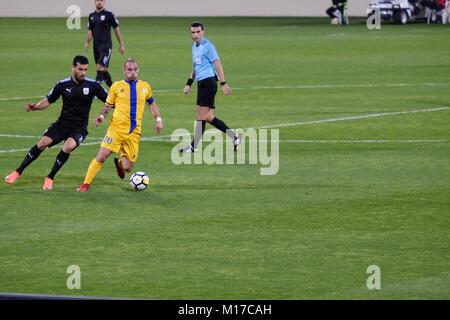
[{"x": 203, "y": 56}]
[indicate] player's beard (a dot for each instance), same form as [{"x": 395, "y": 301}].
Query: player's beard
[{"x": 78, "y": 78}]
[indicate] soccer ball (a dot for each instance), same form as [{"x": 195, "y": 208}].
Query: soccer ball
[{"x": 139, "y": 181}]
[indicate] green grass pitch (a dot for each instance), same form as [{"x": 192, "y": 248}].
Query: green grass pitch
[{"x": 350, "y": 192}]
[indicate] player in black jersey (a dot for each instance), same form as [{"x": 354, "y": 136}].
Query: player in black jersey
[
  {"x": 100, "y": 23},
  {"x": 77, "y": 93}
]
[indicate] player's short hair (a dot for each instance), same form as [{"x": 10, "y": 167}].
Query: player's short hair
[
  {"x": 130, "y": 60},
  {"x": 80, "y": 60},
  {"x": 197, "y": 24}
]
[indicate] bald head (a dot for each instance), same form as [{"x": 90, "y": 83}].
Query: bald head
[{"x": 131, "y": 69}]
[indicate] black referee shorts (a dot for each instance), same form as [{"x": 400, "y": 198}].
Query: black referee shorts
[
  {"x": 58, "y": 133},
  {"x": 207, "y": 89},
  {"x": 102, "y": 55}
]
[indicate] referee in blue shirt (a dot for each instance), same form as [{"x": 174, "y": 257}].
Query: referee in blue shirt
[{"x": 207, "y": 70}]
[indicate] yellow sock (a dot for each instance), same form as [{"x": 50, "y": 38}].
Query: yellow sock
[{"x": 92, "y": 171}]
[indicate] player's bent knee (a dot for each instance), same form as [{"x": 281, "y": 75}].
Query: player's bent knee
[
  {"x": 102, "y": 155},
  {"x": 69, "y": 145},
  {"x": 44, "y": 143}
]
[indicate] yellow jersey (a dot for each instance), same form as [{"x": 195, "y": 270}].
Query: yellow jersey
[{"x": 128, "y": 99}]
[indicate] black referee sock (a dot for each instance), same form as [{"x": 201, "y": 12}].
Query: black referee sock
[
  {"x": 219, "y": 124},
  {"x": 61, "y": 158},
  {"x": 100, "y": 76},
  {"x": 32, "y": 155},
  {"x": 199, "y": 129},
  {"x": 107, "y": 78}
]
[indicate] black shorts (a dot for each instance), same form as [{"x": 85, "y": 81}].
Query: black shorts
[
  {"x": 59, "y": 133},
  {"x": 207, "y": 89},
  {"x": 102, "y": 55}
]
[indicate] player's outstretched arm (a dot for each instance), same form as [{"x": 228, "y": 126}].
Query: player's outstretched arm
[{"x": 41, "y": 105}]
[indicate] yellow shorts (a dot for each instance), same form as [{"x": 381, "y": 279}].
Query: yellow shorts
[{"x": 126, "y": 145}]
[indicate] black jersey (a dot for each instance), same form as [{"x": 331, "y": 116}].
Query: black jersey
[
  {"x": 100, "y": 24},
  {"x": 77, "y": 100}
]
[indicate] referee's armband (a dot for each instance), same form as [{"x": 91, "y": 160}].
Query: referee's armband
[{"x": 189, "y": 82}]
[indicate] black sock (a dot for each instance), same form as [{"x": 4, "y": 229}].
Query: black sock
[
  {"x": 107, "y": 78},
  {"x": 61, "y": 158},
  {"x": 198, "y": 133},
  {"x": 32, "y": 155},
  {"x": 100, "y": 76},
  {"x": 219, "y": 124}
]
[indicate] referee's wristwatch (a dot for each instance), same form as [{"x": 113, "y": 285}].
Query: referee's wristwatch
[{"x": 222, "y": 83}]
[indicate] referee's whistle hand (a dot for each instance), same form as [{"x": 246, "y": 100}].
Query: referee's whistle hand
[
  {"x": 187, "y": 89},
  {"x": 121, "y": 49}
]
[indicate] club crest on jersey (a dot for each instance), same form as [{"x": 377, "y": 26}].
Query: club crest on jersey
[
  {"x": 86, "y": 91},
  {"x": 102, "y": 18},
  {"x": 144, "y": 91}
]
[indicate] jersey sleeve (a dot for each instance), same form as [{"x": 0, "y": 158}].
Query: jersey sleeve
[
  {"x": 111, "y": 99},
  {"x": 211, "y": 53},
  {"x": 149, "y": 98},
  {"x": 114, "y": 21},
  {"x": 54, "y": 94},
  {"x": 100, "y": 92}
]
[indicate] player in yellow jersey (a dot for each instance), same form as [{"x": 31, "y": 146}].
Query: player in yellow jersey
[{"x": 128, "y": 99}]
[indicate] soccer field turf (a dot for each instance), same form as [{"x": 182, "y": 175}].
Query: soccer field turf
[{"x": 363, "y": 119}]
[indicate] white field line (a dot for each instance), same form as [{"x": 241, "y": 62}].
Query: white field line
[
  {"x": 286, "y": 141},
  {"x": 319, "y": 86},
  {"x": 5, "y": 135},
  {"x": 27, "y": 149},
  {"x": 302, "y": 123},
  {"x": 374, "y": 115}
]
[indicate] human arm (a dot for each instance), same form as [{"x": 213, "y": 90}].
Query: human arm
[
  {"x": 219, "y": 70},
  {"x": 155, "y": 112},
  {"x": 41, "y": 105},
  {"x": 120, "y": 40},
  {"x": 88, "y": 39},
  {"x": 98, "y": 120},
  {"x": 187, "y": 87},
  {"x": 109, "y": 100}
]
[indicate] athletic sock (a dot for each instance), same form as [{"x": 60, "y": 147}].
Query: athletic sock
[
  {"x": 100, "y": 76},
  {"x": 107, "y": 78},
  {"x": 199, "y": 129},
  {"x": 61, "y": 158},
  {"x": 219, "y": 124},
  {"x": 92, "y": 171},
  {"x": 32, "y": 155}
]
